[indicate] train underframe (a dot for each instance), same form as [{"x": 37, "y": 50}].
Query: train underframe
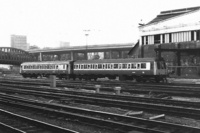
[{"x": 138, "y": 78}]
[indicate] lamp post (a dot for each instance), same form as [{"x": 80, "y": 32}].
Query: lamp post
[{"x": 86, "y": 36}]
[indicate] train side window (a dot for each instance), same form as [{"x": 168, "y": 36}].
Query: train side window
[
  {"x": 96, "y": 66},
  {"x": 48, "y": 67},
  {"x": 63, "y": 66},
  {"x": 115, "y": 66},
  {"x": 82, "y": 66},
  {"x": 56, "y": 66},
  {"x": 106, "y": 66},
  {"x": 109, "y": 65},
  {"x": 88, "y": 66},
  {"x": 93, "y": 66},
  {"x": 143, "y": 65},
  {"x": 124, "y": 66},
  {"x": 133, "y": 66},
  {"x": 85, "y": 66},
  {"x": 120, "y": 66},
  {"x": 138, "y": 66},
  {"x": 129, "y": 66},
  {"x": 99, "y": 66}
]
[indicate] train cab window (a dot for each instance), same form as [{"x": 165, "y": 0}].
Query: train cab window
[
  {"x": 120, "y": 66},
  {"x": 124, "y": 66},
  {"x": 138, "y": 66},
  {"x": 115, "y": 66},
  {"x": 133, "y": 66},
  {"x": 158, "y": 65},
  {"x": 143, "y": 65},
  {"x": 129, "y": 66},
  {"x": 162, "y": 65}
]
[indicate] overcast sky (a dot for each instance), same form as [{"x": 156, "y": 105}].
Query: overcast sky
[{"x": 47, "y": 22}]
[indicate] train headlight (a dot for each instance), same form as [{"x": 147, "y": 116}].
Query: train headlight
[{"x": 143, "y": 72}]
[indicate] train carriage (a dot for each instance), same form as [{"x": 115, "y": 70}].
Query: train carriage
[
  {"x": 141, "y": 69},
  {"x": 34, "y": 69}
]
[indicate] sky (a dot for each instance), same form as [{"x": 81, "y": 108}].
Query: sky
[{"x": 48, "y": 22}]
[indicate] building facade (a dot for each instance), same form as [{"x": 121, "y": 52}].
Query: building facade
[
  {"x": 175, "y": 34},
  {"x": 19, "y": 41}
]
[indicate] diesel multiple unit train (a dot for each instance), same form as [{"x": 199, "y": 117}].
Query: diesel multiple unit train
[{"x": 141, "y": 69}]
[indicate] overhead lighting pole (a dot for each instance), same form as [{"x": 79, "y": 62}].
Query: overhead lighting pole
[{"x": 86, "y": 45}]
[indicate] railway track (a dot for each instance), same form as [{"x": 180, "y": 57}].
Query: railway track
[
  {"x": 120, "y": 123},
  {"x": 14, "y": 123},
  {"x": 127, "y": 87},
  {"x": 169, "y": 107}
]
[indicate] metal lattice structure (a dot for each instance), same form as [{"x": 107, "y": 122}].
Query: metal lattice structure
[{"x": 14, "y": 56}]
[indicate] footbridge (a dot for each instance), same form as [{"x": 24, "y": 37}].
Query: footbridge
[{"x": 14, "y": 56}]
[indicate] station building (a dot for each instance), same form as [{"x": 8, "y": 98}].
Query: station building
[{"x": 175, "y": 36}]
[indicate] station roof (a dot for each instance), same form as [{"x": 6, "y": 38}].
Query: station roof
[{"x": 164, "y": 15}]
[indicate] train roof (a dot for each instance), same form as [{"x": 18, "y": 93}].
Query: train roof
[
  {"x": 117, "y": 60},
  {"x": 46, "y": 62}
]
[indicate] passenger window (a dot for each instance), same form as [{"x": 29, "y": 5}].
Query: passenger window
[
  {"x": 124, "y": 66},
  {"x": 129, "y": 66},
  {"x": 85, "y": 66},
  {"x": 115, "y": 66},
  {"x": 109, "y": 66},
  {"x": 89, "y": 66},
  {"x": 106, "y": 66},
  {"x": 82, "y": 66},
  {"x": 63, "y": 66},
  {"x": 133, "y": 66},
  {"x": 120, "y": 66},
  {"x": 96, "y": 66},
  {"x": 99, "y": 66},
  {"x": 143, "y": 65},
  {"x": 138, "y": 66}
]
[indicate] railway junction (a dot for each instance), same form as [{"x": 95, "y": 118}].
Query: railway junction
[{"x": 110, "y": 106}]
